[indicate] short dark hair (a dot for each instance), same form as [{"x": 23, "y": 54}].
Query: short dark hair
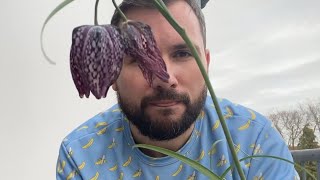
[{"x": 131, "y": 4}]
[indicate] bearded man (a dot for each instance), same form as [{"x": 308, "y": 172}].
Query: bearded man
[{"x": 175, "y": 115}]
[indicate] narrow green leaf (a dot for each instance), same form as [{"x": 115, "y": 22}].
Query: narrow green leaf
[
  {"x": 212, "y": 147},
  {"x": 266, "y": 156},
  {"x": 57, "y": 9},
  {"x": 182, "y": 158},
  {"x": 215, "y": 143}
]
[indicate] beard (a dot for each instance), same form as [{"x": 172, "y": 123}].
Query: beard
[{"x": 163, "y": 127}]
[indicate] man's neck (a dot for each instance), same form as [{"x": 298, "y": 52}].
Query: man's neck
[{"x": 173, "y": 144}]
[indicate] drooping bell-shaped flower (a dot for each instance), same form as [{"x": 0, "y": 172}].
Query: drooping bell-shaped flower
[
  {"x": 140, "y": 44},
  {"x": 95, "y": 59}
]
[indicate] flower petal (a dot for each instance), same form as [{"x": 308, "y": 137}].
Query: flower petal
[
  {"x": 78, "y": 36},
  {"x": 140, "y": 44},
  {"x": 96, "y": 59}
]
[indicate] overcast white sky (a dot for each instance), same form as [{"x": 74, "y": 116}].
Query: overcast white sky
[{"x": 265, "y": 55}]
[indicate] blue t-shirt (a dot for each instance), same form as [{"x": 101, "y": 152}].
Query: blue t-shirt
[{"x": 101, "y": 148}]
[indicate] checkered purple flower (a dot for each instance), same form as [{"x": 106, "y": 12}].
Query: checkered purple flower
[
  {"x": 97, "y": 54},
  {"x": 95, "y": 59}
]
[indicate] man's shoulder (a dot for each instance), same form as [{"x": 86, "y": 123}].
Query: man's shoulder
[
  {"x": 235, "y": 114},
  {"x": 97, "y": 125}
]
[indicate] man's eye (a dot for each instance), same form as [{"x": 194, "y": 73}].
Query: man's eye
[
  {"x": 182, "y": 54},
  {"x": 131, "y": 61}
]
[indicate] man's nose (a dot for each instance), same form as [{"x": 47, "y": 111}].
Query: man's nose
[{"x": 172, "y": 81}]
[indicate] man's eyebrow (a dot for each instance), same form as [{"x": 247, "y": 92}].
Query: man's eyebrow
[{"x": 184, "y": 46}]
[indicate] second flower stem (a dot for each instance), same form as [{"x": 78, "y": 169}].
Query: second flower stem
[{"x": 119, "y": 11}]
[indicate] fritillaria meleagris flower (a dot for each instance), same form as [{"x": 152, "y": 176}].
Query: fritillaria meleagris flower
[
  {"x": 95, "y": 59},
  {"x": 140, "y": 44}
]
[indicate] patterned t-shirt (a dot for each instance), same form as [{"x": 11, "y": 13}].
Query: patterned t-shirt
[{"x": 101, "y": 148}]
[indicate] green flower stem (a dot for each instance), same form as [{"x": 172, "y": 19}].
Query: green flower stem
[
  {"x": 183, "y": 34},
  {"x": 182, "y": 158},
  {"x": 96, "y": 13},
  {"x": 55, "y": 10},
  {"x": 119, "y": 11},
  {"x": 268, "y": 156}
]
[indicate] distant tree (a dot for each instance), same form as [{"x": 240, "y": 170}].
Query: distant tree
[
  {"x": 312, "y": 109},
  {"x": 308, "y": 139},
  {"x": 300, "y": 125},
  {"x": 276, "y": 120},
  {"x": 289, "y": 124}
]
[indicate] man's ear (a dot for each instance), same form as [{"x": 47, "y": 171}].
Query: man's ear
[
  {"x": 114, "y": 86},
  {"x": 207, "y": 55}
]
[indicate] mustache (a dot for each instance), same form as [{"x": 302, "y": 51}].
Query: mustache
[{"x": 166, "y": 95}]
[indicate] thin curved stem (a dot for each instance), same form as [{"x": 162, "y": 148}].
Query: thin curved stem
[
  {"x": 55, "y": 10},
  {"x": 119, "y": 11},
  {"x": 96, "y": 13}
]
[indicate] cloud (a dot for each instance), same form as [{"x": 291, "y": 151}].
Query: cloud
[{"x": 265, "y": 55}]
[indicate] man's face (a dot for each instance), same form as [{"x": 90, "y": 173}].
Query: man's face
[{"x": 165, "y": 110}]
